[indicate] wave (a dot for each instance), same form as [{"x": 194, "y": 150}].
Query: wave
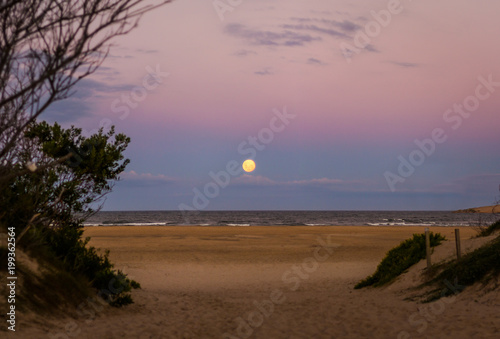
[
  {"x": 399, "y": 224},
  {"x": 127, "y": 224}
]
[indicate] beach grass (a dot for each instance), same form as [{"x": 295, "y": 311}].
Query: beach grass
[
  {"x": 490, "y": 229},
  {"x": 399, "y": 259},
  {"x": 479, "y": 266}
]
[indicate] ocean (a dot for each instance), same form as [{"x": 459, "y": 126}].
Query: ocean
[{"x": 289, "y": 218}]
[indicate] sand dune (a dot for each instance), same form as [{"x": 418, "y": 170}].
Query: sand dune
[
  {"x": 482, "y": 209},
  {"x": 272, "y": 282}
]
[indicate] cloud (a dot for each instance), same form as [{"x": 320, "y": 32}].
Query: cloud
[
  {"x": 321, "y": 181},
  {"x": 147, "y": 51},
  {"x": 344, "y": 25},
  {"x": 338, "y": 29},
  {"x": 347, "y": 26},
  {"x": 265, "y": 71},
  {"x": 371, "y": 48},
  {"x": 314, "y": 61},
  {"x": 299, "y": 31},
  {"x": 404, "y": 64},
  {"x": 245, "y": 52},
  {"x": 82, "y": 102},
  {"x": 119, "y": 56},
  {"x": 68, "y": 110},
  {"x": 254, "y": 180},
  {"x": 130, "y": 53},
  {"x": 104, "y": 70},
  {"x": 316, "y": 29},
  {"x": 268, "y": 38},
  {"x": 89, "y": 88}
]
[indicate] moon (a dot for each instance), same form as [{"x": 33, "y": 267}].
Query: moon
[{"x": 248, "y": 165}]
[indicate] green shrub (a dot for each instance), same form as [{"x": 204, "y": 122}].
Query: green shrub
[
  {"x": 492, "y": 228},
  {"x": 399, "y": 259},
  {"x": 46, "y": 206},
  {"x": 68, "y": 246}
]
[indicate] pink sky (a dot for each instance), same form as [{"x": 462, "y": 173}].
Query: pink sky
[{"x": 354, "y": 119}]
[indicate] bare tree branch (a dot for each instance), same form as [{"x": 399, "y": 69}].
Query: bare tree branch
[{"x": 46, "y": 47}]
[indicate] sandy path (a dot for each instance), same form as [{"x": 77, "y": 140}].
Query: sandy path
[{"x": 270, "y": 282}]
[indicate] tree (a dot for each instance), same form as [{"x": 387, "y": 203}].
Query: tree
[
  {"x": 67, "y": 192},
  {"x": 50, "y": 176},
  {"x": 46, "y": 47},
  {"x": 49, "y": 204}
]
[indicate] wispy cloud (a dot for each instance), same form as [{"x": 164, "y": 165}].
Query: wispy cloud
[
  {"x": 147, "y": 51},
  {"x": 314, "y": 61},
  {"x": 404, "y": 64},
  {"x": 316, "y": 29},
  {"x": 346, "y": 26},
  {"x": 265, "y": 71},
  {"x": 371, "y": 48},
  {"x": 254, "y": 180},
  {"x": 269, "y": 38},
  {"x": 301, "y": 31},
  {"x": 245, "y": 52},
  {"x": 69, "y": 110},
  {"x": 86, "y": 93},
  {"x": 321, "y": 181}
]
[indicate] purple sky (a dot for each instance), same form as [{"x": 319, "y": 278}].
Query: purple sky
[{"x": 342, "y": 104}]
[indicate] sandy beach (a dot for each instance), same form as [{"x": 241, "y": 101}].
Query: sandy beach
[{"x": 272, "y": 282}]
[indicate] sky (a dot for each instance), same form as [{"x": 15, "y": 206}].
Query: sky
[{"x": 343, "y": 105}]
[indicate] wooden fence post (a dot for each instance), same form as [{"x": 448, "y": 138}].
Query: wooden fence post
[
  {"x": 457, "y": 241},
  {"x": 428, "y": 247}
]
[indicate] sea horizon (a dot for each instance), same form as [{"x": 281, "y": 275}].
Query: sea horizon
[{"x": 288, "y": 218}]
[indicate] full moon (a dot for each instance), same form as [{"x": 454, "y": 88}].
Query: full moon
[{"x": 248, "y": 165}]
